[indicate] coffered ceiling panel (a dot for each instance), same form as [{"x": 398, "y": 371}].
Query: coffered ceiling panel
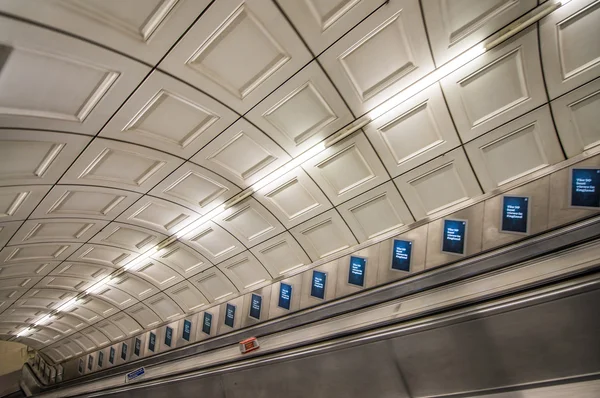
[
  {"x": 85, "y": 314},
  {"x": 169, "y": 115},
  {"x": 110, "y": 330},
  {"x": 40, "y": 268},
  {"x": 250, "y": 222},
  {"x": 128, "y": 236},
  {"x": 238, "y": 51},
  {"x": 454, "y": 26},
  {"x": 17, "y": 202},
  {"x": 7, "y": 229},
  {"x": 120, "y": 165},
  {"x": 143, "y": 315},
  {"x": 570, "y": 46},
  {"x": 64, "y": 282},
  {"x": 82, "y": 270},
  {"x": 67, "y": 319},
  {"x": 65, "y": 201},
  {"x": 496, "y": 87},
  {"x": 96, "y": 336},
  {"x": 144, "y": 29},
  {"x": 182, "y": 259},
  {"x": 33, "y": 157},
  {"x": 18, "y": 282},
  {"x": 213, "y": 242},
  {"x": 293, "y": 198},
  {"x": 280, "y": 254},
  {"x": 44, "y": 299},
  {"x": 158, "y": 215},
  {"x": 324, "y": 235},
  {"x": 577, "y": 118},
  {"x": 244, "y": 270},
  {"x": 90, "y": 81},
  {"x": 375, "y": 212},
  {"x": 109, "y": 256},
  {"x": 213, "y": 284},
  {"x": 187, "y": 296},
  {"x": 302, "y": 112},
  {"x": 98, "y": 305},
  {"x": 413, "y": 132},
  {"x": 125, "y": 323},
  {"x": 69, "y": 230},
  {"x": 163, "y": 306},
  {"x": 242, "y": 153},
  {"x": 37, "y": 252},
  {"x": 321, "y": 23},
  {"x": 438, "y": 184},
  {"x": 158, "y": 274},
  {"x": 385, "y": 53},
  {"x": 530, "y": 142},
  {"x": 347, "y": 169},
  {"x": 196, "y": 188},
  {"x": 133, "y": 285},
  {"x": 120, "y": 297}
]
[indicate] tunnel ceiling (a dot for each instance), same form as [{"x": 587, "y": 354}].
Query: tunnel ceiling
[{"x": 124, "y": 123}]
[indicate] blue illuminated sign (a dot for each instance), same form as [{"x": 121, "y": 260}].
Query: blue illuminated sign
[
  {"x": 255, "y": 306},
  {"x": 230, "y": 315},
  {"x": 100, "y": 358},
  {"x": 124, "y": 351},
  {"x": 168, "y": 336},
  {"x": 187, "y": 330},
  {"x": 317, "y": 288},
  {"x": 454, "y": 236},
  {"x": 207, "y": 323},
  {"x": 515, "y": 214},
  {"x": 111, "y": 355},
  {"x": 401, "y": 255},
  {"x": 356, "y": 271},
  {"x": 285, "y": 296},
  {"x": 585, "y": 188},
  {"x": 152, "y": 342},
  {"x": 137, "y": 347},
  {"x": 90, "y": 362}
]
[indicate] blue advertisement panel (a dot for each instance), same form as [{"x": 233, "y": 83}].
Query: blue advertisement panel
[
  {"x": 124, "y": 351},
  {"x": 152, "y": 342},
  {"x": 81, "y": 365},
  {"x": 356, "y": 271},
  {"x": 454, "y": 235},
  {"x": 255, "y": 306},
  {"x": 90, "y": 362},
  {"x": 515, "y": 214},
  {"x": 317, "y": 287},
  {"x": 230, "y": 315},
  {"x": 285, "y": 296},
  {"x": 100, "y": 358},
  {"x": 137, "y": 347},
  {"x": 111, "y": 356},
  {"x": 168, "y": 336},
  {"x": 401, "y": 255},
  {"x": 207, "y": 323},
  {"x": 585, "y": 188},
  {"x": 187, "y": 330}
]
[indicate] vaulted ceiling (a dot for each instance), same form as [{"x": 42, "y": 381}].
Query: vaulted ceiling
[{"x": 127, "y": 122}]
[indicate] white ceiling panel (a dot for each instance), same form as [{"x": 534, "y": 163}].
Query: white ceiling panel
[
  {"x": 28, "y": 269},
  {"x": 529, "y": 143},
  {"x": 109, "y": 256},
  {"x": 245, "y": 271},
  {"x": 164, "y": 306},
  {"x": 158, "y": 214},
  {"x": 213, "y": 284},
  {"x": 110, "y": 330},
  {"x": 321, "y": 23},
  {"x": 496, "y": 87},
  {"x": 281, "y": 254},
  {"x": 37, "y": 252},
  {"x": 81, "y": 270},
  {"x": 43, "y": 303},
  {"x": 375, "y": 212},
  {"x": 243, "y": 154},
  {"x": 83, "y": 341},
  {"x": 155, "y": 272},
  {"x": 187, "y": 296},
  {"x": 90, "y": 81},
  {"x": 169, "y": 115},
  {"x": 7, "y": 229},
  {"x": 302, "y": 112},
  {"x": 96, "y": 336},
  {"x": 182, "y": 259},
  {"x": 570, "y": 46},
  {"x": 347, "y": 169},
  {"x": 213, "y": 242},
  {"x": 143, "y": 29},
  {"x": 413, "y": 132},
  {"x": 438, "y": 184},
  {"x": 97, "y": 305},
  {"x": 143, "y": 315},
  {"x": 293, "y": 198},
  {"x": 64, "y": 282},
  {"x": 116, "y": 297},
  {"x": 324, "y": 235},
  {"x": 577, "y": 118},
  {"x": 16, "y": 203},
  {"x": 128, "y": 236},
  {"x": 86, "y": 315},
  {"x": 454, "y": 26},
  {"x": 250, "y": 222},
  {"x": 238, "y": 52},
  {"x": 35, "y": 157},
  {"x": 385, "y": 53},
  {"x": 56, "y": 295},
  {"x": 52, "y": 352},
  {"x": 133, "y": 285},
  {"x": 64, "y": 230},
  {"x": 120, "y": 165},
  {"x": 196, "y": 188},
  {"x": 125, "y": 323},
  {"x": 70, "y": 320}
]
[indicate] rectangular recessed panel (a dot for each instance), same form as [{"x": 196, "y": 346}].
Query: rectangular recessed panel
[
  {"x": 244, "y": 271},
  {"x": 116, "y": 296},
  {"x": 182, "y": 259},
  {"x": 102, "y": 307},
  {"x": 82, "y": 270},
  {"x": 126, "y": 323},
  {"x": 164, "y": 306},
  {"x": 158, "y": 274},
  {"x": 242, "y": 156},
  {"x": 36, "y": 252},
  {"x": 11, "y": 201},
  {"x": 439, "y": 188},
  {"x": 214, "y": 242},
  {"x": 293, "y": 199},
  {"x": 345, "y": 170},
  {"x": 157, "y": 215},
  {"x": 65, "y": 282},
  {"x": 96, "y": 336},
  {"x": 132, "y": 238},
  {"x": 196, "y": 189},
  {"x": 248, "y": 223},
  {"x": 137, "y": 287},
  {"x": 105, "y": 255},
  {"x": 84, "y": 342},
  {"x": 143, "y": 315},
  {"x": 27, "y": 159},
  {"x": 94, "y": 202},
  {"x": 112, "y": 331},
  {"x": 58, "y": 230},
  {"x": 325, "y": 238},
  {"x": 27, "y": 269},
  {"x": 214, "y": 285},
  {"x": 187, "y": 296},
  {"x": 85, "y": 314},
  {"x": 376, "y": 215},
  {"x": 279, "y": 257}
]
